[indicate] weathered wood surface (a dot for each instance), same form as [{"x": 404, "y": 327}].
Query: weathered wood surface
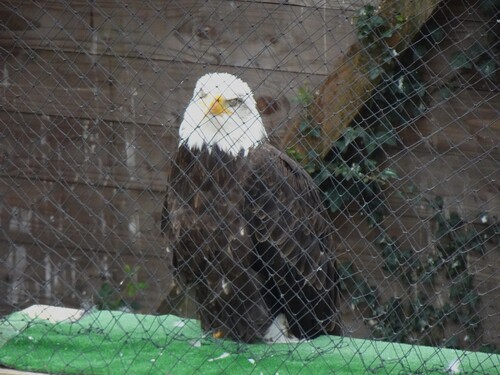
[
  {"x": 468, "y": 188},
  {"x": 151, "y": 93},
  {"x": 287, "y": 38},
  {"x": 64, "y": 275},
  {"x": 352, "y": 5},
  {"x": 334, "y": 107},
  {"x": 416, "y": 234},
  {"x": 83, "y": 151},
  {"x": 467, "y": 123},
  {"x": 464, "y": 27},
  {"x": 124, "y": 155},
  {"x": 81, "y": 216}
]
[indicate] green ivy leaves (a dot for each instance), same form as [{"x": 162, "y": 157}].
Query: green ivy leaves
[{"x": 478, "y": 57}]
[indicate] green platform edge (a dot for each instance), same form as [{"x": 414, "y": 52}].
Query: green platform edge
[{"x": 111, "y": 342}]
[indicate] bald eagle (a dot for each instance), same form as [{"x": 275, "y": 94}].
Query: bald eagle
[{"x": 245, "y": 224}]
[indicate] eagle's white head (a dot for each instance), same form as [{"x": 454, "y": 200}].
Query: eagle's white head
[{"x": 223, "y": 113}]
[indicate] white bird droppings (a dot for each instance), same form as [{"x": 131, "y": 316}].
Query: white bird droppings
[
  {"x": 222, "y": 356},
  {"x": 179, "y": 323},
  {"x": 195, "y": 343},
  {"x": 454, "y": 367}
]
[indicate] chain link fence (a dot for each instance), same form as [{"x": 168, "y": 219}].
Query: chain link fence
[{"x": 392, "y": 108}]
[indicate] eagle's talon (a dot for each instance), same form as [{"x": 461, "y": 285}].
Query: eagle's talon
[{"x": 218, "y": 334}]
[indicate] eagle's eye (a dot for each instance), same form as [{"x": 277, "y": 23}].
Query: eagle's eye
[
  {"x": 202, "y": 94},
  {"x": 234, "y": 102}
]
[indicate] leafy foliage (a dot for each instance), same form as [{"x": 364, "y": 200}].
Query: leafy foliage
[
  {"x": 124, "y": 296},
  {"x": 373, "y": 31},
  {"x": 479, "y": 57},
  {"x": 352, "y": 175},
  {"x": 480, "y": 60},
  {"x": 417, "y": 320},
  {"x": 352, "y": 171}
]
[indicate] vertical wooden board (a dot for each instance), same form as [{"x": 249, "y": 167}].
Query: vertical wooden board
[
  {"x": 46, "y": 25},
  {"x": 84, "y": 216},
  {"x": 86, "y": 151},
  {"x": 144, "y": 155},
  {"x": 77, "y": 278},
  {"x": 149, "y": 92},
  {"x": 266, "y": 36},
  {"x": 24, "y": 206},
  {"x": 53, "y": 147},
  {"x": 159, "y": 92},
  {"x": 241, "y": 34},
  {"x": 440, "y": 65},
  {"x": 468, "y": 185},
  {"x": 468, "y": 123},
  {"x": 55, "y": 83},
  {"x": 41, "y": 274}
]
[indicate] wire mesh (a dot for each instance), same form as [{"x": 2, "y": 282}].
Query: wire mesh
[{"x": 397, "y": 127}]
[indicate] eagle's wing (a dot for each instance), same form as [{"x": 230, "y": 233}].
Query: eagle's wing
[
  {"x": 287, "y": 212},
  {"x": 293, "y": 235}
]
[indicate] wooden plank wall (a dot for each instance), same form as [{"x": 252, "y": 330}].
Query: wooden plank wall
[
  {"x": 92, "y": 95},
  {"x": 91, "y": 98}
]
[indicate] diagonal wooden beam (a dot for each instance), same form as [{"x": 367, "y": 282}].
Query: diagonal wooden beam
[{"x": 349, "y": 86}]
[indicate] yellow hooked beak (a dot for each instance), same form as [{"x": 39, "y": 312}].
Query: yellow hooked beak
[{"x": 218, "y": 106}]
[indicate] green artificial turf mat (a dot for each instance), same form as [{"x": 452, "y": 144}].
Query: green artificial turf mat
[{"x": 105, "y": 342}]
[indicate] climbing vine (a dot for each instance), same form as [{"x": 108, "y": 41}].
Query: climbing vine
[
  {"x": 480, "y": 60},
  {"x": 123, "y": 296},
  {"x": 353, "y": 173}
]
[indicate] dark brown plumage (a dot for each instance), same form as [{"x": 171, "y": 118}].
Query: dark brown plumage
[{"x": 251, "y": 235}]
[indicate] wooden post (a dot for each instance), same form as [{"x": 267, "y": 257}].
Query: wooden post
[{"x": 349, "y": 86}]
